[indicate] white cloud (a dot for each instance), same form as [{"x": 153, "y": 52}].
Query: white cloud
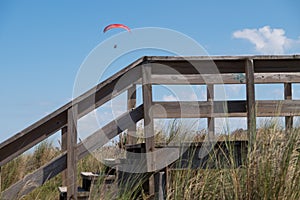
[{"x": 267, "y": 40}]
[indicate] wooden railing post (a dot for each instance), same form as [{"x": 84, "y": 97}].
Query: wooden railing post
[
  {"x": 131, "y": 103},
  {"x": 148, "y": 123},
  {"x": 64, "y": 145},
  {"x": 0, "y": 181},
  {"x": 251, "y": 109},
  {"x": 72, "y": 153},
  {"x": 288, "y": 96},
  {"x": 210, "y": 120}
]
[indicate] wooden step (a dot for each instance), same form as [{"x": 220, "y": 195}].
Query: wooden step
[
  {"x": 90, "y": 178},
  {"x": 81, "y": 193}
]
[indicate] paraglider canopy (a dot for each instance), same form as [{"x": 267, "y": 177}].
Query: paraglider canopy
[{"x": 111, "y": 26}]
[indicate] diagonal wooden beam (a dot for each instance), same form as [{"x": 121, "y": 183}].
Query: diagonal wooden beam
[
  {"x": 55, "y": 121},
  {"x": 58, "y": 164}
]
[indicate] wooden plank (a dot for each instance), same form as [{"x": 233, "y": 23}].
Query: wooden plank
[
  {"x": 278, "y": 65},
  {"x": 207, "y": 66},
  {"x": 148, "y": 124},
  {"x": 288, "y": 96},
  {"x": 228, "y": 64},
  {"x": 273, "y": 108},
  {"x": 196, "y": 79},
  {"x": 210, "y": 120},
  {"x": 202, "y": 109},
  {"x": 277, "y": 77},
  {"x": 0, "y": 180},
  {"x": 64, "y": 147},
  {"x": 36, "y": 178},
  {"x": 109, "y": 131},
  {"x": 148, "y": 119},
  {"x": 250, "y": 92},
  {"x": 227, "y": 58},
  {"x": 131, "y": 103},
  {"x": 72, "y": 154}
]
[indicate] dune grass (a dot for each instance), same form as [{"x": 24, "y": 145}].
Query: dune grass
[{"x": 271, "y": 170}]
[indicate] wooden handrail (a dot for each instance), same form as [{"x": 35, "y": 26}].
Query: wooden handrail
[
  {"x": 53, "y": 122},
  {"x": 58, "y": 164}
]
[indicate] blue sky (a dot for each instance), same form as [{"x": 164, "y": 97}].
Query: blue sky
[{"x": 43, "y": 43}]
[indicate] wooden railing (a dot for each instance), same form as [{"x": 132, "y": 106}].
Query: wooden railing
[{"x": 147, "y": 72}]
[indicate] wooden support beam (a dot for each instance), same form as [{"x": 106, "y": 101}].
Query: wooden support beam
[
  {"x": 288, "y": 96},
  {"x": 148, "y": 124},
  {"x": 210, "y": 120},
  {"x": 72, "y": 153},
  {"x": 131, "y": 103},
  {"x": 148, "y": 115},
  {"x": 0, "y": 180},
  {"x": 251, "y": 110},
  {"x": 64, "y": 147}
]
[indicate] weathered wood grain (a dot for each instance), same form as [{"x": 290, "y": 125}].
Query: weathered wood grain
[
  {"x": 131, "y": 103},
  {"x": 210, "y": 120},
  {"x": 72, "y": 154},
  {"x": 235, "y": 108},
  {"x": 250, "y": 93},
  {"x": 64, "y": 147},
  {"x": 288, "y": 96},
  {"x": 148, "y": 124},
  {"x": 231, "y": 78}
]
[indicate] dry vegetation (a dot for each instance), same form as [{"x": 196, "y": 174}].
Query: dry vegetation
[{"x": 270, "y": 171}]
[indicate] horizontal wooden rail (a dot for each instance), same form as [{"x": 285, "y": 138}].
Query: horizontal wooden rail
[
  {"x": 58, "y": 164},
  {"x": 196, "y": 79},
  {"x": 224, "y": 64},
  {"x": 202, "y": 109}
]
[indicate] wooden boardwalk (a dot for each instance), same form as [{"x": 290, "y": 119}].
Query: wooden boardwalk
[{"x": 149, "y": 71}]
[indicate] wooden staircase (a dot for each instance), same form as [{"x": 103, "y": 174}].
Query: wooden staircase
[{"x": 148, "y": 71}]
